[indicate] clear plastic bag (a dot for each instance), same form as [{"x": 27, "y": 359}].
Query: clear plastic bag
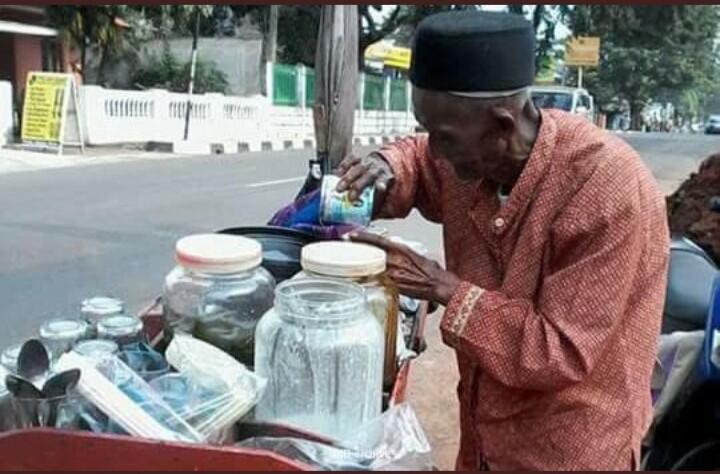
[
  {"x": 393, "y": 441},
  {"x": 212, "y": 390},
  {"x": 127, "y": 399}
]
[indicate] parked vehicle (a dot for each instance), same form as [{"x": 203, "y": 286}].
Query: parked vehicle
[
  {"x": 686, "y": 429},
  {"x": 570, "y": 99},
  {"x": 713, "y": 125}
]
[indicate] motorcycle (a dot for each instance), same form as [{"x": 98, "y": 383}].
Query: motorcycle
[{"x": 685, "y": 434}]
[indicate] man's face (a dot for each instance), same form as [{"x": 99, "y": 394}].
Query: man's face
[{"x": 467, "y": 136}]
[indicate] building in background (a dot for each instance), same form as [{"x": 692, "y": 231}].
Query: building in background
[{"x": 26, "y": 44}]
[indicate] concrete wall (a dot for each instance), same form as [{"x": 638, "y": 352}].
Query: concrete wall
[
  {"x": 6, "y": 112},
  {"x": 240, "y": 59},
  {"x": 246, "y": 123}
]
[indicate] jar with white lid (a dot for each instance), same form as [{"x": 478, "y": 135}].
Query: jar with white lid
[
  {"x": 124, "y": 329},
  {"x": 365, "y": 265},
  {"x": 97, "y": 308},
  {"x": 218, "y": 292},
  {"x": 60, "y": 335},
  {"x": 321, "y": 352}
]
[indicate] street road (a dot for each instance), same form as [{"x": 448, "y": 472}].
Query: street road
[{"x": 66, "y": 234}]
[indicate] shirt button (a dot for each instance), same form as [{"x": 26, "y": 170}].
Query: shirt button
[{"x": 499, "y": 223}]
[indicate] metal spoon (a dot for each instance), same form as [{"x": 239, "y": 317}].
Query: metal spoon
[
  {"x": 22, "y": 388},
  {"x": 28, "y": 396},
  {"x": 59, "y": 384},
  {"x": 55, "y": 389},
  {"x": 33, "y": 360}
]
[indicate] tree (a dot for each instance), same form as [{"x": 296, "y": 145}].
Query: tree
[
  {"x": 86, "y": 25},
  {"x": 166, "y": 72},
  {"x": 651, "y": 53},
  {"x": 544, "y": 19}
]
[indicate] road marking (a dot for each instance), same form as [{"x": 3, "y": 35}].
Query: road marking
[{"x": 262, "y": 184}]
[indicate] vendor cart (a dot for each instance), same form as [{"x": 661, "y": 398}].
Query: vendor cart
[
  {"x": 46, "y": 449},
  {"x": 54, "y": 449}
]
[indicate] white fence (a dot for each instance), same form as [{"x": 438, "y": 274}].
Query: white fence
[
  {"x": 6, "y": 112},
  {"x": 120, "y": 116}
]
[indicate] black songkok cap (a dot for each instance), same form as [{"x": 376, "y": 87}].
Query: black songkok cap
[{"x": 474, "y": 53}]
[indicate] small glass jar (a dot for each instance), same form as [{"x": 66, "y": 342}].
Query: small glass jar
[
  {"x": 60, "y": 335},
  {"x": 365, "y": 265},
  {"x": 6, "y": 405},
  {"x": 321, "y": 352},
  {"x": 218, "y": 292},
  {"x": 123, "y": 329},
  {"x": 9, "y": 358},
  {"x": 96, "y": 348},
  {"x": 97, "y": 308}
]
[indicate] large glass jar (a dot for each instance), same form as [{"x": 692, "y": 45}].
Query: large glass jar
[
  {"x": 365, "y": 265},
  {"x": 321, "y": 351},
  {"x": 218, "y": 292}
]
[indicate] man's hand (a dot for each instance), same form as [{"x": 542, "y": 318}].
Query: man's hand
[
  {"x": 359, "y": 173},
  {"x": 414, "y": 275}
]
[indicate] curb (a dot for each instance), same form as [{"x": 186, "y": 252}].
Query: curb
[{"x": 182, "y": 147}]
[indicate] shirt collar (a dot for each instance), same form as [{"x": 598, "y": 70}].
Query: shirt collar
[{"x": 536, "y": 167}]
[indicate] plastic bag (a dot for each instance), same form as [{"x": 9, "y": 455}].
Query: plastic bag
[
  {"x": 212, "y": 390},
  {"x": 127, "y": 399},
  {"x": 393, "y": 441}
]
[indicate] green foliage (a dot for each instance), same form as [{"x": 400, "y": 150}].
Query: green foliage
[
  {"x": 88, "y": 25},
  {"x": 166, "y": 72},
  {"x": 665, "y": 53}
]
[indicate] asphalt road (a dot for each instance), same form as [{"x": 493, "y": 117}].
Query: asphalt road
[{"x": 66, "y": 234}]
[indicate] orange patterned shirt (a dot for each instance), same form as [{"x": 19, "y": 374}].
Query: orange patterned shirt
[{"x": 556, "y": 322}]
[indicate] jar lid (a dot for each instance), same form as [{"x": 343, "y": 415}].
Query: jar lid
[
  {"x": 120, "y": 325},
  {"x": 343, "y": 259},
  {"x": 63, "y": 328},
  {"x": 218, "y": 253},
  {"x": 102, "y": 306},
  {"x": 96, "y": 347}
]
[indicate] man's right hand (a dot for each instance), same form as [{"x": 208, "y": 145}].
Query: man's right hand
[{"x": 358, "y": 173}]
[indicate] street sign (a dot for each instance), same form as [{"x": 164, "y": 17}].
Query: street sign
[
  {"x": 582, "y": 51},
  {"x": 51, "y": 114}
]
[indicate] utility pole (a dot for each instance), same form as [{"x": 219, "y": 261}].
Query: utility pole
[
  {"x": 580, "y": 76},
  {"x": 271, "y": 51},
  {"x": 193, "y": 63}
]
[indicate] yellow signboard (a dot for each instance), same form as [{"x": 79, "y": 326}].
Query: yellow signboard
[
  {"x": 44, "y": 107},
  {"x": 582, "y": 51}
]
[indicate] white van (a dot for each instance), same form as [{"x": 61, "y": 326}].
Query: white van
[{"x": 571, "y": 99}]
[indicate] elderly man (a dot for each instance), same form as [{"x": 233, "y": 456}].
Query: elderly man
[{"x": 556, "y": 245}]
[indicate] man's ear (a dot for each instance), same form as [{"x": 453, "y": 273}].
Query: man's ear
[{"x": 504, "y": 119}]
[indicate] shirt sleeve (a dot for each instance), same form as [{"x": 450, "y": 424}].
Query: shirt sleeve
[
  {"x": 417, "y": 182},
  {"x": 555, "y": 339}
]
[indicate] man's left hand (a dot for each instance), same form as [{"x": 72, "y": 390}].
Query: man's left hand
[{"x": 415, "y": 276}]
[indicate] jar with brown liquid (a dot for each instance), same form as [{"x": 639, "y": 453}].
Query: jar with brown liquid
[{"x": 218, "y": 292}]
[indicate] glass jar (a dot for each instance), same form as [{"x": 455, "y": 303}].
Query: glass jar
[
  {"x": 321, "y": 351},
  {"x": 97, "y": 308},
  {"x": 6, "y": 405},
  {"x": 96, "y": 348},
  {"x": 365, "y": 265},
  {"x": 60, "y": 335},
  {"x": 123, "y": 329},
  {"x": 9, "y": 358},
  {"x": 218, "y": 292}
]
